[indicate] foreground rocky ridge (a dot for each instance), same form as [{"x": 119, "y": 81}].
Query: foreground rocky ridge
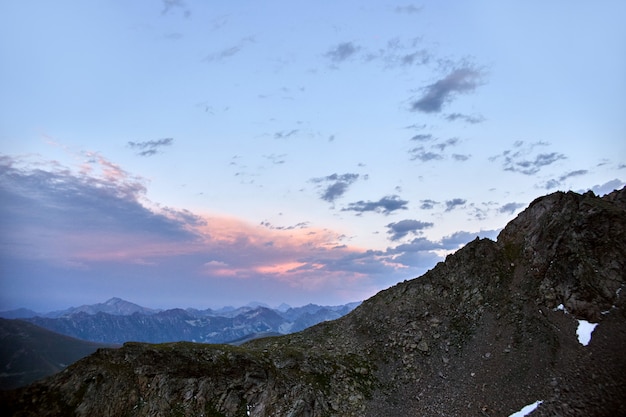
[{"x": 479, "y": 334}]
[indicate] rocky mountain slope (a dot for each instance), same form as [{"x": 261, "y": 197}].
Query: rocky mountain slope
[{"x": 479, "y": 335}]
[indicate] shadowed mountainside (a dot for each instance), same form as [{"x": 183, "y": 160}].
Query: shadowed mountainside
[
  {"x": 480, "y": 334},
  {"x": 29, "y": 352}
]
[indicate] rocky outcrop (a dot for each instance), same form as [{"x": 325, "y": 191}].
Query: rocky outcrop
[{"x": 478, "y": 335}]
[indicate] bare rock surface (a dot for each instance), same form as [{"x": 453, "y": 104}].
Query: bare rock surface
[{"x": 480, "y": 334}]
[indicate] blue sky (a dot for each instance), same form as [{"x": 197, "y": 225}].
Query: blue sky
[{"x": 195, "y": 153}]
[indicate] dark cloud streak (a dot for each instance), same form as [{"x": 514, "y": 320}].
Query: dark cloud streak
[
  {"x": 400, "y": 229},
  {"x": 338, "y": 186},
  {"x": 459, "y": 81},
  {"x": 465, "y": 118},
  {"x": 342, "y": 52},
  {"x": 385, "y": 205},
  {"x": 408, "y": 9},
  {"x": 150, "y": 147},
  {"x": 454, "y": 203}
]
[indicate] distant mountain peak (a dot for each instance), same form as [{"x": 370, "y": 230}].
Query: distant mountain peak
[{"x": 115, "y": 300}]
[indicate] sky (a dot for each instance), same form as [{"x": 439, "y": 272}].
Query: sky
[{"x": 202, "y": 154}]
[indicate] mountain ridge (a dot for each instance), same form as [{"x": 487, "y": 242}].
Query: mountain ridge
[{"x": 479, "y": 334}]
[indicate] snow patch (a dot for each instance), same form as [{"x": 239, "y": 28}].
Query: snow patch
[
  {"x": 285, "y": 328},
  {"x": 526, "y": 410},
  {"x": 584, "y": 331}
]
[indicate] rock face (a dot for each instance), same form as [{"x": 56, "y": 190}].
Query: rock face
[{"x": 479, "y": 335}]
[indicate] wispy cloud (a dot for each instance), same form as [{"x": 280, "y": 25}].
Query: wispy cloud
[
  {"x": 524, "y": 158},
  {"x": 342, "y": 51},
  {"x": 471, "y": 119},
  {"x": 422, "y": 137},
  {"x": 150, "y": 147},
  {"x": 459, "y": 81},
  {"x": 229, "y": 51},
  {"x": 435, "y": 151},
  {"x": 403, "y": 228},
  {"x": 171, "y": 5},
  {"x": 301, "y": 225},
  {"x": 336, "y": 185},
  {"x": 460, "y": 157},
  {"x": 443, "y": 145},
  {"x": 284, "y": 134},
  {"x": 385, "y": 205},
  {"x": 408, "y": 9},
  {"x": 400, "y": 53},
  {"x": 276, "y": 159}
]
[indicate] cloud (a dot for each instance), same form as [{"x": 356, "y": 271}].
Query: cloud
[
  {"x": 454, "y": 203},
  {"x": 461, "y": 80},
  {"x": 170, "y": 5},
  {"x": 510, "y": 208},
  {"x": 435, "y": 150},
  {"x": 385, "y": 205},
  {"x": 419, "y": 57},
  {"x": 423, "y": 155},
  {"x": 174, "y": 36},
  {"x": 398, "y": 53},
  {"x": 458, "y": 239},
  {"x": 408, "y": 9},
  {"x": 301, "y": 225},
  {"x": 284, "y": 134},
  {"x": 443, "y": 145},
  {"x": 95, "y": 213},
  {"x": 571, "y": 174},
  {"x": 276, "y": 159},
  {"x": 230, "y": 51},
  {"x": 60, "y": 225},
  {"x": 607, "y": 187},
  {"x": 150, "y": 147},
  {"x": 423, "y": 137},
  {"x": 337, "y": 185},
  {"x": 524, "y": 159},
  {"x": 474, "y": 119},
  {"x": 554, "y": 183},
  {"x": 342, "y": 51},
  {"x": 460, "y": 157},
  {"x": 400, "y": 229},
  {"x": 89, "y": 230},
  {"x": 428, "y": 204}
]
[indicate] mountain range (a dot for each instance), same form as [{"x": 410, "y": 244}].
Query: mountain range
[
  {"x": 487, "y": 332},
  {"x": 117, "y": 321}
]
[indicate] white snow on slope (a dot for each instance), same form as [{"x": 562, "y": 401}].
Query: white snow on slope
[
  {"x": 584, "y": 331},
  {"x": 526, "y": 410}
]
